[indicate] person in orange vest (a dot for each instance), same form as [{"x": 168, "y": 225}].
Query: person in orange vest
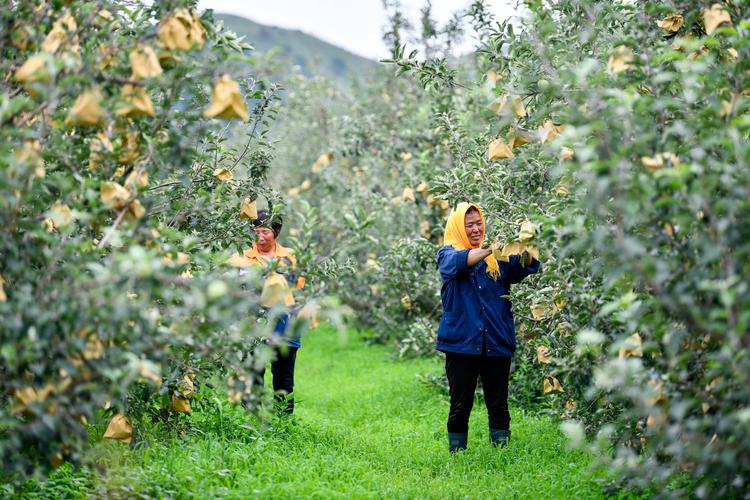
[{"x": 277, "y": 291}]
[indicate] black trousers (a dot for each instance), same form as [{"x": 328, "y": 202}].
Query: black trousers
[
  {"x": 282, "y": 369},
  {"x": 462, "y": 371}
]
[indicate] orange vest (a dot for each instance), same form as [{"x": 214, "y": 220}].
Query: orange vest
[{"x": 275, "y": 289}]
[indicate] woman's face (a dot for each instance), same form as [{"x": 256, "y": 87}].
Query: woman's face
[
  {"x": 474, "y": 228},
  {"x": 265, "y": 239}
]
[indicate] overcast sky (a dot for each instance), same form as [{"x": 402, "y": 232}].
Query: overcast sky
[{"x": 356, "y": 25}]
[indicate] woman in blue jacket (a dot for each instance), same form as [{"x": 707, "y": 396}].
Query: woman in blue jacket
[{"x": 476, "y": 332}]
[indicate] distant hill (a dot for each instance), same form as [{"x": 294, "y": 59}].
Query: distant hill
[{"x": 302, "y": 49}]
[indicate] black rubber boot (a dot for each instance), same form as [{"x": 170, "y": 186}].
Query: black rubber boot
[
  {"x": 499, "y": 437},
  {"x": 457, "y": 441}
]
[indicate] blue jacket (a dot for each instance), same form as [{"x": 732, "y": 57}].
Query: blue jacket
[{"x": 476, "y": 310}]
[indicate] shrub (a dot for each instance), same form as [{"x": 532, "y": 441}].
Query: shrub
[{"x": 118, "y": 199}]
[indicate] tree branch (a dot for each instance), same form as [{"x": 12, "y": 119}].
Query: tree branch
[{"x": 113, "y": 228}]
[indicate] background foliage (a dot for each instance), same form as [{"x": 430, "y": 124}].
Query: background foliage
[{"x": 118, "y": 210}]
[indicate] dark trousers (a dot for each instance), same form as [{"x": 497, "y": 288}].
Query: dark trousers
[
  {"x": 282, "y": 369},
  {"x": 462, "y": 371}
]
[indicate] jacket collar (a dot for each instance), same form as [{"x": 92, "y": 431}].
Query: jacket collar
[{"x": 279, "y": 252}]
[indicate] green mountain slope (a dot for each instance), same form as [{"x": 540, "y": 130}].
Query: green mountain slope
[{"x": 314, "y": 56}]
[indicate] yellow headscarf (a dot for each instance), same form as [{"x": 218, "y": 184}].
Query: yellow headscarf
[{"x": 455, "y": 235}]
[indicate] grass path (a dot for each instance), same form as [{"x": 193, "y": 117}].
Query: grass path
[{"x": 365, "y": 427}]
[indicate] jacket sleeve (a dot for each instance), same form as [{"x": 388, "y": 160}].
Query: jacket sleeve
[
  {"x": 452, "y": 263},
  {"x": 515, "y": 272}
]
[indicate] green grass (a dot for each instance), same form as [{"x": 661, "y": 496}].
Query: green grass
[{"x": 364, "y": 427}]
